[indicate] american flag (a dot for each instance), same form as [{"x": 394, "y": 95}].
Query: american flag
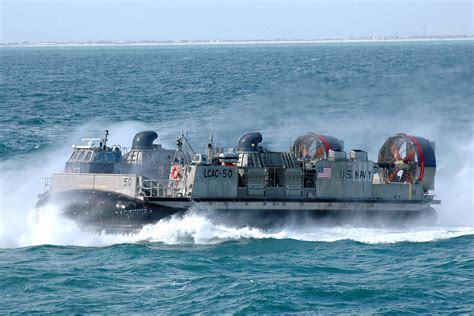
[{"x": 324, "y": 173}]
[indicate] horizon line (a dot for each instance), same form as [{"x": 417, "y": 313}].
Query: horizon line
[{"x": 377, "y": 38}]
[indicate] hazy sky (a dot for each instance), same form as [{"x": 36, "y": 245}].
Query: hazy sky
[{"x": 266, "y": 19}]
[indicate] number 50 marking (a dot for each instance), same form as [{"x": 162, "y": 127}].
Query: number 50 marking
[{"x": 127, "y": 182}]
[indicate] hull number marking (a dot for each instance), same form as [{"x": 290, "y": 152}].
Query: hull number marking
[
  {"x": 127, "y": 182},
  {"x": 216, "y": 173}
]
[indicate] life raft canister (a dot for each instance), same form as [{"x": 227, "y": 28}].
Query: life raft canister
[{"x": 175, "y": 172}]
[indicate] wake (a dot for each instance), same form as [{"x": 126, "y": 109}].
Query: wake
[{"x": 47, "y": 226}]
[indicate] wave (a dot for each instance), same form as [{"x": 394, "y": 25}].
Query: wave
[
  {"x": 4, "y": 149},
  {"x": 47, "y": 226},
  {"x": 32, "y": 122},
  {"x": 200, "y": 229}
]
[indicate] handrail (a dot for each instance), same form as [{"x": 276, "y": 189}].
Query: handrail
[
  {"x": 47, "y": 184},
  {"x": 151, "y": 188}
]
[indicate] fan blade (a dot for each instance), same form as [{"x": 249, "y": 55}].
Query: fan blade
[
  {"x": 410, "y": 156},
  {"x": 395, "y": 151},
  {"x": 392, "y": 176},
  {"x": 410, "y": 178},
  {"x": 304, "y": 150},
  {"x": 319, "y": 152}
]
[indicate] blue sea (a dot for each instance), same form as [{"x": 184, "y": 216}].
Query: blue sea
[{"x": 51, "y": 97}]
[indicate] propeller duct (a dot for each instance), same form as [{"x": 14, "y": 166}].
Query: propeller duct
[
  {"x": 407, "y": 159},
  {"x": 312, "y": 146}
]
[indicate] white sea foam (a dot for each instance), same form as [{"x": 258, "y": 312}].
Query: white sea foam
[
  {"x": 47, "y": 226},
  {"x": 200, "y": 229}
]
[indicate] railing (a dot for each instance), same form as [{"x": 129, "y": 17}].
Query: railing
[
  {"x": 151, "y": 188},
  {"x": 47, "y": 184}
]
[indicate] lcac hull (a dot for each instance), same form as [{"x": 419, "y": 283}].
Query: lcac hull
[
  {"x": 296, "y": 205},
  {"x": 104, "y": 210},
  {"x": 114, "y": 212},
  {"x": 269, "y": 213}
]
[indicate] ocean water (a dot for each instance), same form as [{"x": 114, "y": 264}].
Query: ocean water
[{"x": 51, "y": 97}]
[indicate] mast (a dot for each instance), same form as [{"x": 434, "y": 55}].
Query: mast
[{"x": 106, "y": 138}]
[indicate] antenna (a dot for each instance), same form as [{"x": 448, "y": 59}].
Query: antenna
[
  {"x": 106, "y": 137},
  {"x": 210, "y": 146},
  {"x": 184, "y": 151}
]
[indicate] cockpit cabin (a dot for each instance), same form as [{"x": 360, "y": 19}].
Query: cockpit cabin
[{"x": 91, "y": 158}]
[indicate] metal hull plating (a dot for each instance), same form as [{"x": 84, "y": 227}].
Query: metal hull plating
[
  {"x": 279, "y": 205},
  {"x": 106, "y": 210},
  {"x": 113, "y": 212}
]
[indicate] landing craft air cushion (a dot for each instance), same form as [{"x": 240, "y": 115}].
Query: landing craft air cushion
[{"x": 106, "y": 186}]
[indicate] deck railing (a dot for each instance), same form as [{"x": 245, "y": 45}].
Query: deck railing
[
  {"x": 151, "y": 188},
  {"x": 47, "y": 184}
]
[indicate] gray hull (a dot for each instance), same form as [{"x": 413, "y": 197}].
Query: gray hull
[
  {"x": 298, "y": 205},
  {"x": 104, "y": 210},
  {"x": 113, "y": 212}
]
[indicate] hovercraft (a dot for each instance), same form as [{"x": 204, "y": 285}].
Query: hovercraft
[{"x": 111, "y": 188}]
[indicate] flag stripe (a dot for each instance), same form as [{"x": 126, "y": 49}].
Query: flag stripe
[{"x": 324, "y": 173}]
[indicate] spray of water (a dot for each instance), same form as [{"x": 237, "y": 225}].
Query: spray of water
[
  {"x": 47, "y": 226},
  {"x": 21, "y": 183}
]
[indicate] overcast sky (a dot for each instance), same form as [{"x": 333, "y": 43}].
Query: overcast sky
[{"x": 245, "y": 19}]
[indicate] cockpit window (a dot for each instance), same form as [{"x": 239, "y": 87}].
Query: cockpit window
[
  {"x": 87, "y": 156},
  {"x": 73, "y": 156},
  {"x": 80, "y": 155}
]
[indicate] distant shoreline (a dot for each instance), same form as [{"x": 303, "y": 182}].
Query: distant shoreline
[{"x": 373, "y": 39}]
